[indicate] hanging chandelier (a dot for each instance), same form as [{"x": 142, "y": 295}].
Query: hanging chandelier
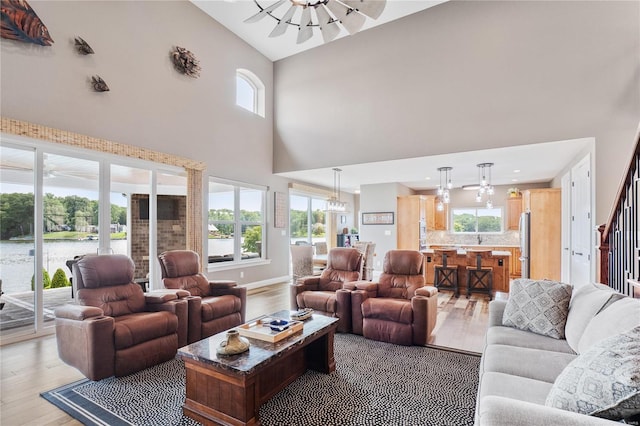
[
  {"x": 334, "y": 205},
  {"x": 351, "y": 14},
  {"x": 486, "y": 189},
  {"x": 444, "y": 197}
]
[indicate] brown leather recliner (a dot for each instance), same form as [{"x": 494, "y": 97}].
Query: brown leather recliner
[
  {"x": 214, "y": 306},
  {"x": 116, "y": 329},
  {"x": 399, "y": 308},
  {"x": 325, "y": 294}
]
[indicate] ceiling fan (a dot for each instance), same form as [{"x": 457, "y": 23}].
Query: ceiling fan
[
  {"x": 351, "y": 14},
  {"x": 49, "y": 170}
]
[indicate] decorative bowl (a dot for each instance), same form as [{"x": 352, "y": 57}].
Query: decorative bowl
[{"x": 279, "y": 325}]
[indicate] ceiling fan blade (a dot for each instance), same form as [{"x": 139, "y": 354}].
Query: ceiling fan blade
[
  {"x": 329, "y": 30},
  {"x": 372, "y": 8},
  {"x": 353, "y": 22},
  {"x": 258, "y": 16},
  {"x": 349, "y": 18},
  {"x": 284, "y": 22},
  {"x": 306, "y": 31}
]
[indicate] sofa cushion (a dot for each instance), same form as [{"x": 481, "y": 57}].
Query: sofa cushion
[
  {"x": 525, "y": 339},
  {"x": 388, "y": 309},
  {"x": 525, "y": 362},
  {"x": 586, "y": 302},
  {"x": 514, "y": 387},
  {"x": 539, "y": 306},
  {"x": 603, "y": 381}
]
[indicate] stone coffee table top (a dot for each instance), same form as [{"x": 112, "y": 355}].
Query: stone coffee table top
[{"x": 260, "y": 352}]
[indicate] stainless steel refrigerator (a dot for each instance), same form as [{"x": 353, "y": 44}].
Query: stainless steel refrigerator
[{"x": 525, "y": 243}]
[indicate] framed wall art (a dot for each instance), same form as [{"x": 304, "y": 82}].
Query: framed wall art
[{"x": 377, "y": 218}]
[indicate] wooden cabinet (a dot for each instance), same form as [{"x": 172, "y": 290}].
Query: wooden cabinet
[
  {"x": 514, "y": 209},
  {"x": 411, "y": 227},
  {"x": 437, "y": 220},
  {"x": 545, "y": 232},
  {"x": 516, "y": 266}
]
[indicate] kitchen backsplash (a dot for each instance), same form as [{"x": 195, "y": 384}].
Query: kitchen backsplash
[{"x": 508, "y": 238}]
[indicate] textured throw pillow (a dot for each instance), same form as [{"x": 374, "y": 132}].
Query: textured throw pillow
[
  {"x": 604, "y": 381},
  {"x": 538, "y": 306}
]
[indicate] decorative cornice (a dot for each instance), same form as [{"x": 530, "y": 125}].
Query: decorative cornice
[{"x": 37, "y": 131}]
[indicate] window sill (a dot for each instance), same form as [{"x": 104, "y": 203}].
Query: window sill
[{"x": 224, "y": 266}]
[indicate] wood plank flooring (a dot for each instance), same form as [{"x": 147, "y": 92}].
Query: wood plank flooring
[{"x": 30, "y": 367}]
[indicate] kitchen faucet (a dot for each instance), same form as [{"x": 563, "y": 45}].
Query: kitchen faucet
[{"x": 479, "y": 239}]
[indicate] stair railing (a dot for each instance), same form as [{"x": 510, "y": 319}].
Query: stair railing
[{"x": 620, "y": 236}]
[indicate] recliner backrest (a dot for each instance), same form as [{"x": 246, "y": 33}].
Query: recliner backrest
[
  {"x": 344, "y": 264},
  {"x": 402, "y": 274},
  {"x": 181, "y": 270},
  {"x": 106, "y": 282}
]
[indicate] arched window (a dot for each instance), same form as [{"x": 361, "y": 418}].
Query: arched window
[{"x": 249, "y": 92}]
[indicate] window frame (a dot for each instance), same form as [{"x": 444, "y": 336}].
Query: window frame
[
  {"x": 309, "y": 201},
  {"x": 258, "y": 87},
  {"x": 238, "y": 222},
  {"x": 476, "y": 209}
]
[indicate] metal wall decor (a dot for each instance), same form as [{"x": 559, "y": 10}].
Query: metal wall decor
[
  {"x": 20, "y": 22},
  {"x": 83, "y": 47},
  {"x": 185, "y": 62},
  {"x": 99, "y": 84}
]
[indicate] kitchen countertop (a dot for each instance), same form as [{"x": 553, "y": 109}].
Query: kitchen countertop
[{"x": 462, "y": 252}]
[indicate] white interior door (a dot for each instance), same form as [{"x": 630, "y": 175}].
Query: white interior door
[
  {"x": 581, "y": 227},
  {"x": 566, "y": 228}
]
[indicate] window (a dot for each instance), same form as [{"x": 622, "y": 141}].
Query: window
[
  {"x": 474, "y": 220},
  {"x": 250, "y": 92},
  {"x": 307, "y": 221},
  {"x": 236, "y": 222}
]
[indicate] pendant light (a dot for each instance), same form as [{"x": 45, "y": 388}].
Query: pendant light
[{"x": 444, "y": 197}]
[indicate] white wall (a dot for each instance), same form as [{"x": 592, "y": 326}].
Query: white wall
[
  {"x": 149, "y": 105},
  {"x": 464, "y": 76},
  {"x": 381, "y": 198}
]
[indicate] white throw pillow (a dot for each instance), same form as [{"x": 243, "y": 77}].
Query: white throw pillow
[
  {"x": 613, "y": 319},
  {"x": 539, "y": 306},
  {"x": 603, "y": 381},
  {"x": 586, "y": 301}
]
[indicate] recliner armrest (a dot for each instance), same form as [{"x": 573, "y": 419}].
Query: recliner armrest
[
  {"x": 78, "y": 312},
  {"x": 221, "y": 284},
  {"x": 160, "y": 296},
  {"x": 426, "y": 291}
]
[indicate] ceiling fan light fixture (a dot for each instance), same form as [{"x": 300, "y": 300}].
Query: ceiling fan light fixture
[
  {"x": 351, "y": 14},
  {"x": 305, "y": 31},
  {"x": 328, "y": 28}
]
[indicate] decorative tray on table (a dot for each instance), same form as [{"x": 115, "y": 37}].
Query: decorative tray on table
[
  {"x": 302, "y": 314},
  {"x": 270, "y": 329}
]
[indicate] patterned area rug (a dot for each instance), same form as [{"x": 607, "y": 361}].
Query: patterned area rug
[{"x": 374, "y": 384}]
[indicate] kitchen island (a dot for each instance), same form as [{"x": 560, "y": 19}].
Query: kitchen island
[{"x": 499, "y": 261}]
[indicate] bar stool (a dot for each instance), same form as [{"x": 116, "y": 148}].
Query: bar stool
[
  {"x": 479, "y": 277},
  {"x": 445, "y": 275}
]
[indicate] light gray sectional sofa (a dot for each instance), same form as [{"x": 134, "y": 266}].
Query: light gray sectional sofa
[{"x": 518, "y": 368}]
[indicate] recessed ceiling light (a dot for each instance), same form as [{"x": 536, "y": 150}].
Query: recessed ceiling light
[
  {"x": 514, "y": 180},
  {"x": 357, "y": 191},
  {"x": 427, "y": 178},
  {"x": 516, "y": 171}
]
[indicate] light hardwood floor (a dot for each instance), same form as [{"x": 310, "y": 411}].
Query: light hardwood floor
[{"x": 30, "y": 367}]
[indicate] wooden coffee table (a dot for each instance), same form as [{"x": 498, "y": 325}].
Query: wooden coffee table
[{"x": 229, "y": 390}]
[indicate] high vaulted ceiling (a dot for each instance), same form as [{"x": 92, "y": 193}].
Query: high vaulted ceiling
[
  {"x": 522, "y": 164},
  {"x": 232, "y": 14}
]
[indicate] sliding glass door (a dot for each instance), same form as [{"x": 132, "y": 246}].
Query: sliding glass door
[
  {"x": 58, "y": 203},
  {"x": 17, "y": 243}
]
